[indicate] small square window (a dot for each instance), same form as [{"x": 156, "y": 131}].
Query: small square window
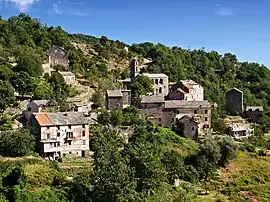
[
  {"x": 206, "y": 119},
  {"x": 83, "y": 126},
  {"x": 177, "y": 112},
  {"x": 69, "y": 126},
  {"x": 48, "y": 127},
  {"x": 192, "y": 128},
  {"x": 29, "y": 109},
  {"x": 84, "y": 142},
  {"x": 58, "y": 127},
  {"x": 160, "y": 125},
  {"x": 206, "y": 111},
  {"x": 58, "y": 134},
  {"x": 69, "y": 142},
  {"x": 159, "y": 119},
  {"x": 195, "y": 112}
]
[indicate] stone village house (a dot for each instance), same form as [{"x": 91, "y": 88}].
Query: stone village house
[
  {"x": 37, "y": 106},
  {"x": 60, "y": 134},
  {"x": 234, "y": 102},
  {"x": 170, "y": 114},
  {"x": 58, "y": 56},
  {"x": 118, "y": 99},
  {"x": 187, "y": 90}
]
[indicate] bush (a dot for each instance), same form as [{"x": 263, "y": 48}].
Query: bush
[{"x": 16, "y": 143}]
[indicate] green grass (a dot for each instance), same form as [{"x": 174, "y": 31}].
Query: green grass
[{"x": 247, "y": 178}]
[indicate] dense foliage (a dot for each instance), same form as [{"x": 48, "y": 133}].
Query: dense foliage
[{"x": 16, "y": 143}]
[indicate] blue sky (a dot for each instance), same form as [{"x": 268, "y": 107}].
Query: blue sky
[{"x": 237, "y": 26}]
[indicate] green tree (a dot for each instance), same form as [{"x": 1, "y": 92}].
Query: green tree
[
  {"x": 6, "y": 95},
  {"x": 82, "y": 186},
  {"x": 16, "y": 143},
  {"x": 23, "y": 83},
  {"x": 43, "y": 91},
  {"x": 109, "y": 183},
  {"x": 142, "y": 85},
  {"x": 6, "y": 72},
  {"x": 29, "y": 61}
]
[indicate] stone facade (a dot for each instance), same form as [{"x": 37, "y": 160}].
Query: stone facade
[
  {"x": 60, "y": 134},
  {"x": 114, "y": 99},
  {"x": 69, "y": 77},
  {"x": 187, "y": 126},
  {"x": 58, "y": 56},
  {"x": 160, "y": 83},
  {"x": 168, "y": 113},
  {"x": 186, "y": 90},
  {"x": 37, "y": 106},
  {"x": 234, "y": 102},
  {"x": 254, "y": 114}
]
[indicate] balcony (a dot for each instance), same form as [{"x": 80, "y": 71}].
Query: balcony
[{"x": 49, "y": 140}]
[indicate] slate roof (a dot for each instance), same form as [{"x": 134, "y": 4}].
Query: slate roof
[
  {"x": 185, "y": 119},
  {"x": 152, "y": 99},
  {"x": 234, "y": 89},
  {"x": 175, "y": 104},
  {"x": 181, "y": 91},
  {"x": 61, "y": 118},
  {"x": 155, "y": 75},
  {"x": 57, "y": 51},
  {"x": 254, "y": 108},
  {"x": 189, "y": 81},
  {"x": 114, "y": 93}
]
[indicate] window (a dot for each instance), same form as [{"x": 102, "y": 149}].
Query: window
[
  {"x": 156, "y": 81},
  {"x": 160, "y": 125},
  {"x": 48, "y": 136},
  {"x": 58, "y": 134},
  {"x": 161, "y": 81},
  {"x": 195, "y": 112},
  {"x": 156, "y": 91},
  {"x": 206, "y": 111},
  {"x": 69, "y": 142},
  {"x": 83, "y": 126},
  {"x": 192, "y": 128},
  {"x": 160, "y": 90},
  {"x": 69, "y": 126},
  {"x": 70, "y": 153},
  {"x": 159, "y": 119},
  {"x": 83, "y": 133},
  {"x": 206, "y": 119},
  {"x": 84, "y": 142},
  {"x": 58, "y": 144},
  {"x": 58, "y": 127},
  {"x": 177, "y": 112},
  {"x": 172, "y": 119},
  {"x": 48, "y": 127},
  {"x": 29, "y": 109},
  {"x": 69, "y": 134}
]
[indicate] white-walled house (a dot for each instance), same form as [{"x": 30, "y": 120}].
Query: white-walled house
[{"x": 60, "y": 134}]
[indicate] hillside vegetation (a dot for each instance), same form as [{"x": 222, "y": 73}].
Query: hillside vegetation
[{"x": 149, "y": 165}]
